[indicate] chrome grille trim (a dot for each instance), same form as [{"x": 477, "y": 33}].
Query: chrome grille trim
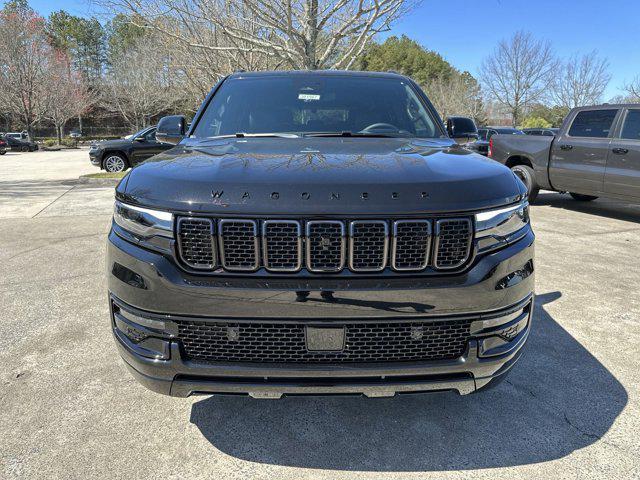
[
  {"x": 183, "y": 247},
  {"x": 353, "y": 226},
  {"x": 265, "y": 245},
  {"x": 245, "y": 260},
  {"x": 310, "y": 247},
  {"x": 397, "y": 246},
  {"x": 439, "y": 262}
]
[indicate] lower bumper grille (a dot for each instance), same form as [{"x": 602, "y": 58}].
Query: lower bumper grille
[{"x": 286, "y": 342}]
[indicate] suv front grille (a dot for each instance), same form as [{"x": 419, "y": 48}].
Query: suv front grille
[
  {"x": 244, "y": 245},
  {"x": 197, "y": 242},
  {"x": 285, "y": 342},
  {"x": 239, "y": 244},
  {"x": 453, "y": 242}
]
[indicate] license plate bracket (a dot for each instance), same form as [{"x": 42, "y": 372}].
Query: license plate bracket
[{"x": 325, "y": 339}]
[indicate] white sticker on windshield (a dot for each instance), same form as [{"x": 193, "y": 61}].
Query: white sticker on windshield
[{"x": 308, "y": 96}]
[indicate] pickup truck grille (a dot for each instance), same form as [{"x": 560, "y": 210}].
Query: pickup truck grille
[
  {"x": 286, "y": 342},
  {"x": 324, "y": 246}
]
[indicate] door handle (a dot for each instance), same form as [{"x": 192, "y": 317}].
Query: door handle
[
  {"x": 620, "y": 151},
  {"x": 566, "y": 147}
]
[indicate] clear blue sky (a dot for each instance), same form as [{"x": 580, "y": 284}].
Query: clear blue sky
[{"x": 464, "y": 31}]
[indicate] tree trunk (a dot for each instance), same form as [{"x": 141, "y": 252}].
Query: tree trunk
[
  {"x": 59, "y": 133},
  {"x": 80, "y": 123},
  {"x": 311, "y": 35}
]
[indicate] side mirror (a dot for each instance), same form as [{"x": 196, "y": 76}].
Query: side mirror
[
  {"x": 171, "y": 129},
  {"x": 462, "y": 129},
  {"x": 138, "y": 139}
]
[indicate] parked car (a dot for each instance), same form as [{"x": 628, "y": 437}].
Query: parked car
[
  {"x": 19, "y": 135},
  {"x": 302, "y": 239},
  {"x": 3, "y": 146},
  {"x": 595, "y": 154},
  {"x": 19, "y": 145},
  {"x": 546, "y": 132},
  {"x": 75, "y": 134},
  {"x": 118, "y": 155},
  {"x": 481, "y": 145}
]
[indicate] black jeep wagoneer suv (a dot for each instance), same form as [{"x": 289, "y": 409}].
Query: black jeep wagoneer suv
[{"x": 318, "y": 233}]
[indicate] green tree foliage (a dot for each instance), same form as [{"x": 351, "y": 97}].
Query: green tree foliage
[
  {"x": 553, "y": 115},
  {"x": 122, "y": 34},
  {"x": 536, "y": 122},
  {"x": 407, "y": 57},
  {"x": 82, "y": 39}
]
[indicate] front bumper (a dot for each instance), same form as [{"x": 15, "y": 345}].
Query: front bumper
[
  {"x": 495, "y": 292},
  {"x": 95, "y": 156}
]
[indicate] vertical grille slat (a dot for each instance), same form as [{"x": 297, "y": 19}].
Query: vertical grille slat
[
  {"x": 282, "y": 245},
  {"x": 197, "y": 242},
  {"x": 411, "y": 244},
  {"x": 369, "y": 245},
  {"x": 239, "y": 244},
  {"x": 325, "y": 246},
  {"x": 453, "y": 242}
]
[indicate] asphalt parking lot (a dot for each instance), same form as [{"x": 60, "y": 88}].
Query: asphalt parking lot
[{"x": 570, "y": 409}]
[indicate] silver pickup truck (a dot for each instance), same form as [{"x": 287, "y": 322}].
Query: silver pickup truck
[{"x": 595, "y": 154}]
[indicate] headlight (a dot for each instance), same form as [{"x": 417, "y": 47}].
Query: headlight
[
  {"x": 153, "y": 228},
  {"x": 495, "y": 228}
]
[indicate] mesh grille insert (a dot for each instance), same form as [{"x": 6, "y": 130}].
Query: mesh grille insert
[
  {"x": 453, "y": 241},
  {"x": 239, "y": 244},
  {"x": 282, "y": 245},
  {"x": 412, "y": 240},
  {"x": 325, "y": 246},
  {"x": 285, "y": 342},
  {"x": 369, "y": 244},
  {"x": 197, "y": 242}
]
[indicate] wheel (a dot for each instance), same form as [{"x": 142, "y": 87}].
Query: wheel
[
  {"x": 2, "y": 152},
  {"x": 582, "y": 198},
  {"x": 24, "y": 148},
  {"x": 115, "y": 163},
  {"x": 528, "y": 177}
]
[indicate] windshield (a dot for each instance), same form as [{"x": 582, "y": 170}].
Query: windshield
[{"x": 304, "y": 104}]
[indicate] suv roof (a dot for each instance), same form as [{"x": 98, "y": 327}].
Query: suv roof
[{"x": 333, "y": 73}]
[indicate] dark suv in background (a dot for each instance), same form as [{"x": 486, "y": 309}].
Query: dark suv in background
[
  {"x": 118, "y": 155},
  {"x": 303, "y": 239}
]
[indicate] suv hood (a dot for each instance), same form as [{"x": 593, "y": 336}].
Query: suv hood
[{"x": 319, "y": 176}]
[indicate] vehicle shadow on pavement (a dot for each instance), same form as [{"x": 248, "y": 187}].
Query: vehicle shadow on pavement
[
  {"x": 602, "y": 207},
  {"x": 559, "y": 398}
]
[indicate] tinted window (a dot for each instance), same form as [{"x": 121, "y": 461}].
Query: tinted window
[
  {"x": 547, "y": 133},
  {"x": 150, "y": 136},
  {"x": 631, "y": 128},
  {"x": 533, "y": 132},
  {"x": 592, "y": 123},
  {"x": 314, "y": 103},
  {"x": 509, "y": 131}
]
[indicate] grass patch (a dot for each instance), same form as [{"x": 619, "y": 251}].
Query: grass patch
[{"x": 105, "y": 175}]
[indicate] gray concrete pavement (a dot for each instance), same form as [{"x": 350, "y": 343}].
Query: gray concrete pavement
[{"x": 570, "y": 409}]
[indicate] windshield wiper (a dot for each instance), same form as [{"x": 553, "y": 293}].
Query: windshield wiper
[
  {"x": 255, "y": 135},
  {"x": 355, "y": 134}
]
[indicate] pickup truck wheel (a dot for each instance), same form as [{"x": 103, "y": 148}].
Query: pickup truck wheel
[
  {"x": 582, "y": 198},
  {"x": 528, "y": 177},
  {"x": 115, "y": 163}
]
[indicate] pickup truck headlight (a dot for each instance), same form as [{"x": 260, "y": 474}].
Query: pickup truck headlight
[
  {"x": 496, "y": 228},
  {"x": 151, "y": 228}
]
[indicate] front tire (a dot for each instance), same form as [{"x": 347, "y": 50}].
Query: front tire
[
  {"x": 582, "y": 198},
  {"x": 115, "y": 163},
  {"x": 528, "y": 177},
  {"x": 24, "y": 149}
]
